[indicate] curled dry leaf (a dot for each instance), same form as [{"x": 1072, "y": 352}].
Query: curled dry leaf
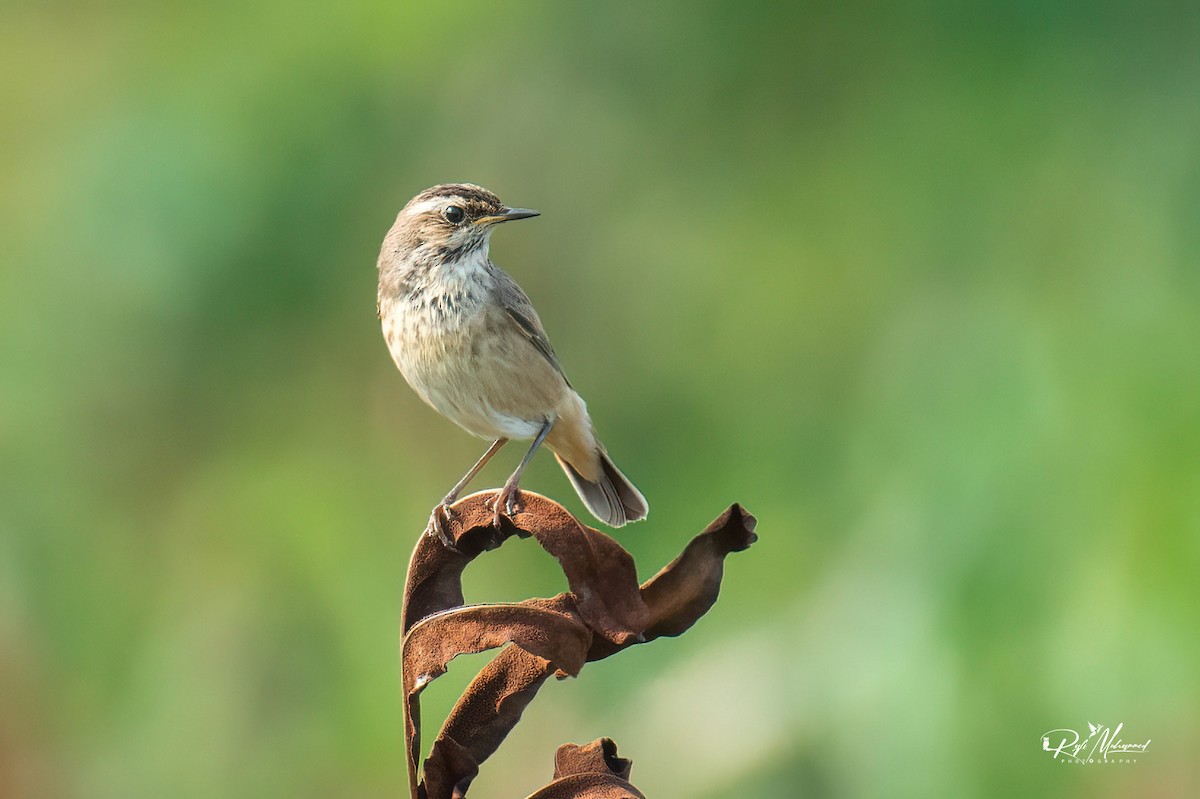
[
  {"x": 589, "y": 786},
  {"x": 536, "y": 626},
  {"x": 591, "y": 771},
  {"x": 604, "y": 611},
  {"x": 599, "y": 571},
  {"x": 687, "y": 587},
  {"x": 598, "y": 757},
  {"x": 481, "y": 720}
]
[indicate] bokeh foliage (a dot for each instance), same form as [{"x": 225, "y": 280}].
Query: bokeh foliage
[{"x": 919, "y": 285}]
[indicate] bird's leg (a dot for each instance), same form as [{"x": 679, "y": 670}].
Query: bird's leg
[
  {"x": 436, "y": 523},
  {"x": 509, "y": 497}
]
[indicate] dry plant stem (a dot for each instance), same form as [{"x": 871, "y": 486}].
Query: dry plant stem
[{"x": 604, "y": 611}]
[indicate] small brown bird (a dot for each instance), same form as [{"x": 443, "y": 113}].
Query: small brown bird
[{"x": 468, "y": 341}]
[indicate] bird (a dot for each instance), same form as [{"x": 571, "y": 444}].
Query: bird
[{"x": 468, "y": 341}]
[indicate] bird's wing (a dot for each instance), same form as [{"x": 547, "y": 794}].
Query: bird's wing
[{"x": 520, "y": 310}]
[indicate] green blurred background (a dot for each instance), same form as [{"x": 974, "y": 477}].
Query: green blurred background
[{"x": 919, "y": 286}]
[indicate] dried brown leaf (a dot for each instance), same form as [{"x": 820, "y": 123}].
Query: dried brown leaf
[
  {"x": 589, "y": 786},
  {"x": 599, "y": 571},
  {"x": 536, "y": 626},
  {"x": 591, "y": 771},
  {"x": 598, "y": 757},
  {"x": 605, "y": 608},
  {"x": 449, "y": 770},
  {"x": 491, "y": 706},
  {"x": 687, "y": 587}
]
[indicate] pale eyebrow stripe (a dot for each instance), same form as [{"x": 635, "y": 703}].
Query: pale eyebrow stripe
[{"x": 429, "y": 205}]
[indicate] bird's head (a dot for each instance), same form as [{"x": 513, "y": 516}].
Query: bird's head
[{"x": 449, "y": 221}]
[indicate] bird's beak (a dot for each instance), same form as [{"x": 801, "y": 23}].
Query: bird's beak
[{"x": 508, "y": 215}]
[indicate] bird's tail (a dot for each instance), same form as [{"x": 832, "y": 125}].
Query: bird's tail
[{"x": 610, "y": 497}]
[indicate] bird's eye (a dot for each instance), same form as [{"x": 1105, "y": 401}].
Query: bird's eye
[{"x": 454, "y": 214}]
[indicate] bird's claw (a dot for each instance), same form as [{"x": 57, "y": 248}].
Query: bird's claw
[
  {"x": 507, "y": 503},
  {"x": 441, "y": 516}
]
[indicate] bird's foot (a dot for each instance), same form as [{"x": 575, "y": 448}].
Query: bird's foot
[
  {"x": 442, "y": 515},
  {"x": 507, "y": 503}
]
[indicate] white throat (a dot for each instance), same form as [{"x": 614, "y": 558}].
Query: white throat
[{"x": 454, "y": 275}]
